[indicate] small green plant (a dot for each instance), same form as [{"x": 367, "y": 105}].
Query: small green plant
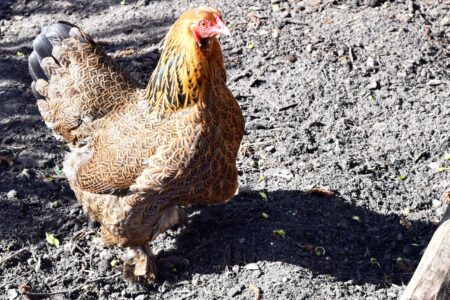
[
  {"x": 374, "y": 261},
  {"x": 356, "y": 218},
  {"x": 402, "y": 177},
  {"x": 264, "y": 215},
  {"x": 280, "y": 232},
  {"x": 319, "y": 251},
  {"x": 263, "y": 195},
  {"x": 442, "y": 169},
  {"x": 58, "y": 171},
  {"x": 114, "y": 263},
  {"x": 261, "y": 178},
  {"x": 51, "y": 239}
]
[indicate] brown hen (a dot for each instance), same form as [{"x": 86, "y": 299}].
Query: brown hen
[{"x": 137, "y": 156}]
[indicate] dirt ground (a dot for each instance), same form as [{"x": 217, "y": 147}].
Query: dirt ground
[{"x": 352, "y": 96}]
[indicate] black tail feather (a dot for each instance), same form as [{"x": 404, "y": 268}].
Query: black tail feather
[
  {"x": 34, "y": 66},
  {"x": 43, "y": 47}
]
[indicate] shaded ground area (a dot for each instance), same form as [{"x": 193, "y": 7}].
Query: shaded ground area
[{"x": 352, "y": 96}]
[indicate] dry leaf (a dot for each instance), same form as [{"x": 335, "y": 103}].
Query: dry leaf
[
  {"x": 256, "y": 290},
  {"x": 321, "y": 191},
  {"x": 406, "y": 223}
]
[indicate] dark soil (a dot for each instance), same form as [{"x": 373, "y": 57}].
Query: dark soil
[{"x": 352, "y": 96}]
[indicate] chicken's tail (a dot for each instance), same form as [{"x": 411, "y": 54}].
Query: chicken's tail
[{"x": 74, "y": 80}]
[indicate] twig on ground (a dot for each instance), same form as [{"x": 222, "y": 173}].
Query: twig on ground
[
  {"x": 44, "y": 295},
  {"x": 81, "y": 250},
  {"x": 261, "y": 143},
  {"x": 12, "y": 255},
  {"x": 82, "y": 234},
  {"x": 185, "y": 296},
  {"x": 350, "y": 53}
]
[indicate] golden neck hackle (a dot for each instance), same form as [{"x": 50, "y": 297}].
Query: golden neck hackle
[{"x": 184, "y": 71}]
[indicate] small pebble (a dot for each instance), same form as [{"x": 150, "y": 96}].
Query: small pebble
[
  {"x": 74, "y": 211},
  {"x": 275, "y": 33},
  {"x": 252, "y": 266},
  {"x": 105, "y": 254},
  {"x": 441, "y": 211},
  {"x": 280, "y": 172},
  {"x": 308, "y": 48},
  {"x": 433, "y": 165},
  {"x": 270, "y": 149},
  {"x": 291, "y": 58},
  {"x": 434, "y": 82},
  {"x": 12, "y": 294},
  {"x": 370, "y": 62},
  {"x": 276, "y": 7},
  {"x": 24, "y": 174},
  {"x": 257, "y": 273},
  {"x": 235, "y": 269},
  {"x": 445, "y": 21},
  {"x": 234, "y": 291},
  {"x": 436, "y": 203},
  {"x": 373, "y": 85},
  {"x": 11, "y": 194}
]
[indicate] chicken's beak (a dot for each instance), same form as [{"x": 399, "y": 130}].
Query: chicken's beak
[
  {"x": 221, "y": 28},
  {"x": 224, "y": 30}
]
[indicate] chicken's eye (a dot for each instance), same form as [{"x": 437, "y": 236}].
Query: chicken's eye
[{"x": 203, "y": 24}]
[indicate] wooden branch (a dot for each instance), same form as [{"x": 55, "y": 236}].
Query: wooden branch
[
  {"x": 47, "y": 295},
  {"x": 12, "y": 255},
  {"x": 431, "y": 280}
]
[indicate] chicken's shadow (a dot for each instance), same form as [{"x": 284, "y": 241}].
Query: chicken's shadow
[{"x": 326, "y": 235}]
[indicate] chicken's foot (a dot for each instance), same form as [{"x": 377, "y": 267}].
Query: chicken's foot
[{"x": 141, "y": 265}]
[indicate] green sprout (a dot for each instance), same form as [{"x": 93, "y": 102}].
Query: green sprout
[
  {"x": 374, "y": 261},
  {"x": 442, "y": 169},
  {"x": 114, "y": 263},
  {"x": 280, "y": 232},
  {"x": 356, "y": 218},
  {"x": 51, "y": 239},
  {"x": 261, "y": 178},
  {"x": 58, "y": 170},
  {"x": 319, "y": 251},
  {"x": 263, "y": 195}
]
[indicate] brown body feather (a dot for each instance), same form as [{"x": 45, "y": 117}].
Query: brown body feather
[{"x": 142, "y": 153}]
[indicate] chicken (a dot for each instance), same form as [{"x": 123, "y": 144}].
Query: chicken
[{"x": 138, "y": 156}]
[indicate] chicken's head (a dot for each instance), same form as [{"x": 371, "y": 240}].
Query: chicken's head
[{"x": 205, "y": 23}]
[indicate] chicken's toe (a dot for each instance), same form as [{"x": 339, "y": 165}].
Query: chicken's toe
[{"x": 142, "y": 265}]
